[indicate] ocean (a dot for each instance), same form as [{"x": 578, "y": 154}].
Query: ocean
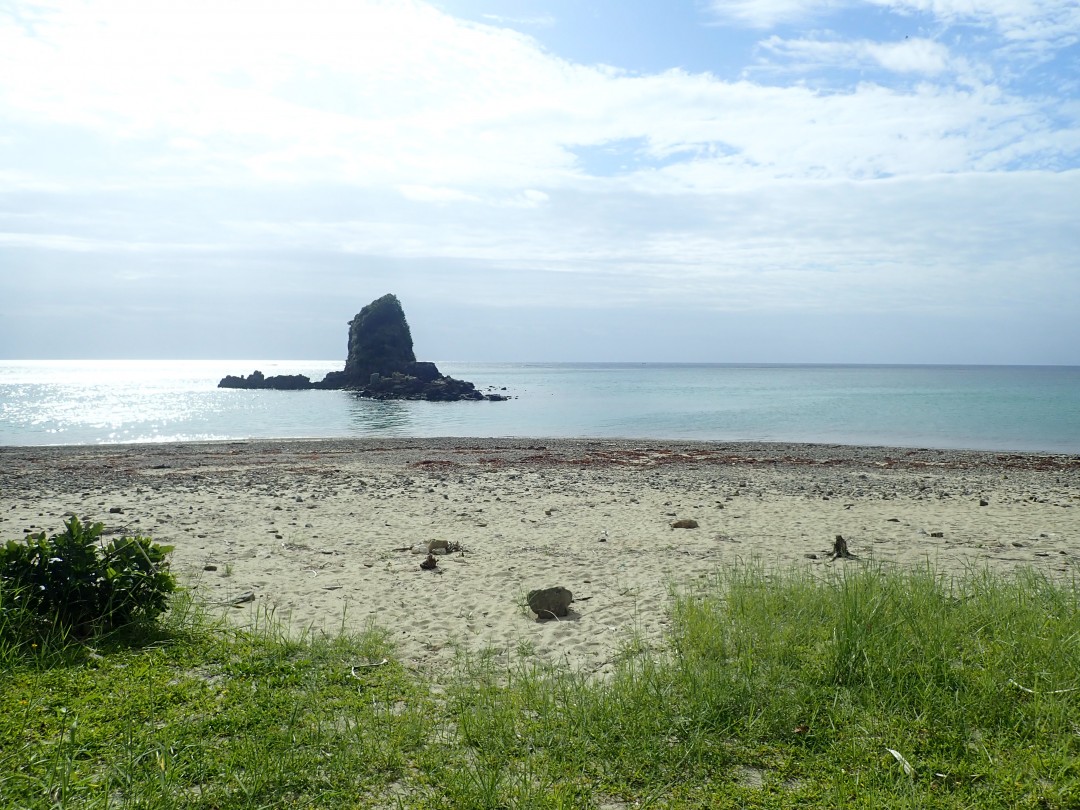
[{"x": 1005, "y": 408}]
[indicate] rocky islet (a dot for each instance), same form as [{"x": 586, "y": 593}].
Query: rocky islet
[{"x": 380, "y": 364}]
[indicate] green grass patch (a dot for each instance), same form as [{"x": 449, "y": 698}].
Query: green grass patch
[
  {"x": 777, "y": 690},
  {"x": 200, "y": 715}
]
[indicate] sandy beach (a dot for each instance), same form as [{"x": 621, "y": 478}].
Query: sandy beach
[{"x": 325, "y": 533}]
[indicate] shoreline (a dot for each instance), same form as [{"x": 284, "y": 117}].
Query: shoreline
[
  {"x": 322, "y": 530},
  {"x": 555, "y": 444},
  {"x": 509, "y": 439}
]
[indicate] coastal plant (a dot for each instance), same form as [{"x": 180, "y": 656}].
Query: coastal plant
[{"x": 74, "y": 582}]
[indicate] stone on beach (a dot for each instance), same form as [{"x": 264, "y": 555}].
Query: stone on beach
[{"x": 548, "y": 602}]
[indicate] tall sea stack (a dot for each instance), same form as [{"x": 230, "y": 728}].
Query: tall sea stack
[{"x": 379, "y": 341}]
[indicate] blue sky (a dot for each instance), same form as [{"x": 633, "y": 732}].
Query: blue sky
[{"x": 710, "y": 180}]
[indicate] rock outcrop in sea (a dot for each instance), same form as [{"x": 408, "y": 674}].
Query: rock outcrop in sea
[{"x": 380, "y": 364}]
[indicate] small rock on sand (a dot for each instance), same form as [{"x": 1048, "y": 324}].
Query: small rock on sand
[{"x": 548, "y": 602}]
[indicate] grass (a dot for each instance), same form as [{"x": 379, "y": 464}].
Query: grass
[{"x": 776, "y": 690}]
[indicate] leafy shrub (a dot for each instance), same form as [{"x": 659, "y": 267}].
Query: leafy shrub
[{"x": 76, "y": 581}]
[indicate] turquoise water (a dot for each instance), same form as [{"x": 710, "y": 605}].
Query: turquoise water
[{"x": 1023, "y": 408}]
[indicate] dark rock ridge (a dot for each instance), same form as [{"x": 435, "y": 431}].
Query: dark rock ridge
[
  {"x": 282, "y": 382},
  {"x": 380, "y": 364}
]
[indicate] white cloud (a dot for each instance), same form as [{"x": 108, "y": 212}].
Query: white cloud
[
  {"x": 431, "y": 194},
  {"x": 910, "y": 56},
  {"x": 375, "y": 93},
  {"x": 1046, "y": 23},
  {"x": 768, "y": 13},
  {"x": 1047, "y": 20},
  {"x": 538, "y": 20},
  {"x": 397, "y": 95},
  {"x": 922, "y": 56}
]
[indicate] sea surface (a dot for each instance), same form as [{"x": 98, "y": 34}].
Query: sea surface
[{"x": 1008, "y": 408}]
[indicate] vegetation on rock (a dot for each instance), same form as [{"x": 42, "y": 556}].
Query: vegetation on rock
[{"x": 380, "y": 341}]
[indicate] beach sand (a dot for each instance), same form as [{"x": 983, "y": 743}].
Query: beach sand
[{"x": 323, "y": 532}]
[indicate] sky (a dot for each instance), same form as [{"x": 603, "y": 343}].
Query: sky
[{"x": 758, "y": 181}]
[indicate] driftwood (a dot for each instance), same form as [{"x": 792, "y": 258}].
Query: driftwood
[
  {"x": 244, "y": 598},
  {"x": 355, "y": 667},
  {"x": 840, "y": 550},
  {"x": 1048, "y": 692}
]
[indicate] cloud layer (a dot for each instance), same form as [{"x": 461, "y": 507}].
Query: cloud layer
[{"x": 308, "y": 152}]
